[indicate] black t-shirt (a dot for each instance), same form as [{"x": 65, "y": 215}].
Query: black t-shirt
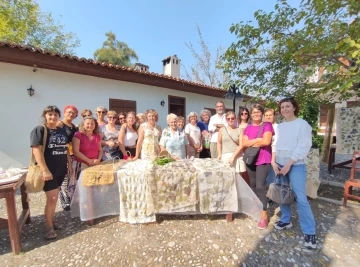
[
  {"x": 55, "y": 148},
  {"x": 70, "y": 131}
]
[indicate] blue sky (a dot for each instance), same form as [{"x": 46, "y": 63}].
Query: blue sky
[{"x": 155, "y": 29}]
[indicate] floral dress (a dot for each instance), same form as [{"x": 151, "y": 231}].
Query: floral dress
[
  {"x": 174, "y": 143},
  {"x": 150, "y": 145},
  {"x": 108, "y": 152}
]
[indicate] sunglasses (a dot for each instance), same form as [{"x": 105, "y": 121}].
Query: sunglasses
[
  {"x": 86, "y": 115},
  {"x": 244, "y": 113},
  {"x": 230, "y": 119},
  {"x": 121, "y": 118},
  {"x": 103, "y": 112},
  {"x": 112, "y": 118}
]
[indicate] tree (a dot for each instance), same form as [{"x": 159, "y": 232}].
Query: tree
[
  {"x": 312, "y": 51},
  {"x": 115, "y": 52},
  {"x": 22, "y": 22},
  {"x": 206, "y": 68}
]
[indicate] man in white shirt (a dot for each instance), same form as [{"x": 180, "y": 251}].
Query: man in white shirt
[{"x": 216, "y": 122}]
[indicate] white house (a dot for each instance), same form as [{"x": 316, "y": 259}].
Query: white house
[{"x": 68, "y": 80}]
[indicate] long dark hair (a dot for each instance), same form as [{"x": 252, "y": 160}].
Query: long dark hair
[{"x": 241, "y": 110}]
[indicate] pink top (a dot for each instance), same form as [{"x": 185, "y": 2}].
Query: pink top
[
  {"x": 90, "y": 148},
  {"x": 251, "y": 132}
]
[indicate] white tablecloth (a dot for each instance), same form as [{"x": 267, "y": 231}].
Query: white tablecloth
[{"x": 219, "y": 191}]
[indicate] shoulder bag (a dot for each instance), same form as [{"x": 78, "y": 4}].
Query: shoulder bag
[
  {"x": 251, "y": 153},
  {"x": 230, "y": 136},
  {"x": 34, "y": 179},
  {"x": 280, "y": 191}
]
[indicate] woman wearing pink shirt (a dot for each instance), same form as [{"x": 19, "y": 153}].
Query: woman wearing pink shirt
[
  {"x": 259, "y": 171},
  {"x": 87, "y": 150}
]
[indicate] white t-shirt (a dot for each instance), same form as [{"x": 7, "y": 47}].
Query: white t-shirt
[
  {"x": 216, "y": 119},
  {"x": 194, "y": 132}
]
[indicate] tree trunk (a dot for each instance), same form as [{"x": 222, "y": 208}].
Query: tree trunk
[{"x": 328, "y": 134}]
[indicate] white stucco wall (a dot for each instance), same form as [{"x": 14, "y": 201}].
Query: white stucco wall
[{"x": 22, "y": 113}]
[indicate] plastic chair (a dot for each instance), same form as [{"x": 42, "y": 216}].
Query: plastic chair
[{"x": 352, "y": 182}]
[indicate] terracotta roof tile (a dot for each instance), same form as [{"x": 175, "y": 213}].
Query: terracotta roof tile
[{"x": 104, "y": 64}]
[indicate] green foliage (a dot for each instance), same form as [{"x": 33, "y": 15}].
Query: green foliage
[
  {"x": 115, "y": 52},
  {"x": 310, "y": 111},
  {"x": 22, "y": 22},
  {"x": 280, "y": 52}
]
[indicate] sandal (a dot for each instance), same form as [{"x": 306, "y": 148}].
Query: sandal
[
  {"x": 50, "y": 234},
  {"x": 57, "y": 226}
]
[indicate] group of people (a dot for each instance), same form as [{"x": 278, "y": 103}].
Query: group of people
[{"x": 224, "y": 136}]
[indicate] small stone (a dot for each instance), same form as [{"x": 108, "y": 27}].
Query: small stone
[
  {"x": 216, "y": 246},
  {"x": 171, "y": 244},
  {"x": 274, "y": 236},
  {"x": 235, "y": 257},
  {"x": 225, "y": 258}
]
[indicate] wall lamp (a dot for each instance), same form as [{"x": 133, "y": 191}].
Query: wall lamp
[
  {"x": 162, "y": 102},
  {"x": 31, "y": 91}
]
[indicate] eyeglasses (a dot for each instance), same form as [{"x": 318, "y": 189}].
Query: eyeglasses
[
  {"x": 244, "y": 113},
  {"x": 103, "y": 112},
  {"x": 230, "y": 119},
  {"x": 121, "y": 118},
  {"x": 86, "y": 115},
  {"x": 255, "y": 112},
  {"x": 109, "y": 117},
  {"x": 71, "y": 112}
]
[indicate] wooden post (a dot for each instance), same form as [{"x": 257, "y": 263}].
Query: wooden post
[{"x": 328, "y": 134}]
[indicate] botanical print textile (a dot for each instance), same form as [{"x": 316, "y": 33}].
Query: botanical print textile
[
  {"x": 217, "y": 187},
  {"x": 150, "y": 145},
  {"x": 313, "y": 171},
  {"x": 347, "y": 130},
  {"x": 136, "y": 203}
]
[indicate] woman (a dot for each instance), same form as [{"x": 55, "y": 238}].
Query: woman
[
  {"x": 128, "y": 136},
  {"x": 194, "y": 135},
  {"x": 101, "y": 113},
  {"x": 291, "y": 147},
  {"x": 148, "y": 142},
  {"x": 259, "y": 171},
  {"x": 174, "y": 141},
  {"x": 86, "y": 113},
  {"x": 70, "y": 113},
  {"x": 243, "y": 117},
  {"x": 140, "y": 119},
  {"x": 229, "y": 143},
  {"x": 87, "y": 150},
  {"x": 180, "y": 123},
  {"x": 109, "y": 134},
  {"x": 206, "y": 135},
  {"x": 269, "y": 116},
  {"x": 54, "y": 162},
  {"x": 122, "y": 117}
]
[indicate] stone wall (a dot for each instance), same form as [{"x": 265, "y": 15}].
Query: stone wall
[{"x": 347, "y": 130}]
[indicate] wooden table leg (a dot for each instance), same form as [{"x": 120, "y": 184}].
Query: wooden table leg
[
  {"x": 25, "y": 203},
  {"x": 13, "y": 223},
  {"x": 229, "y": 217}
]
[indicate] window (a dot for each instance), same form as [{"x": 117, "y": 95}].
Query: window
[
  {"x": 177, "y": 105},
  {"x": 120, "y": 105},
  {"x": 177, "y": 62}
]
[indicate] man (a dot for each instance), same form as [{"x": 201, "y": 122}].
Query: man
[{"x": 216, "y": 122}]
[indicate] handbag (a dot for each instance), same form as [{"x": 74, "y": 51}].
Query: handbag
[
  {"x": 281, "y": 192},
  {"x": 251, "y": 153},
  {"x": 34, "y": 179}
]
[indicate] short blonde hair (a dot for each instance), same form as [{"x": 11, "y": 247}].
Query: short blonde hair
[
  {"x": 152, "y": 111},
  {"x": 171, "y": 116},
  {"x": 192, "y": 113},
  {"x": 270, "y": 109},
  {"x": 112, "y": 113},
  {"x": 81, "y": 126},
  {"x": 140, "y": 116}
]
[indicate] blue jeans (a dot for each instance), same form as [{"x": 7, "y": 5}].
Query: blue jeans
[{"x": 297, "y": 176}]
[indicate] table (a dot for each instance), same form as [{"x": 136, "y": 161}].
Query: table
[
  {"x": 219, "y": 190},
  {"x": 15, "y": 225}
]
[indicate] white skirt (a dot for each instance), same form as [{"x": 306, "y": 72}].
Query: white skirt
[{"x": 238, "y": 163}]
